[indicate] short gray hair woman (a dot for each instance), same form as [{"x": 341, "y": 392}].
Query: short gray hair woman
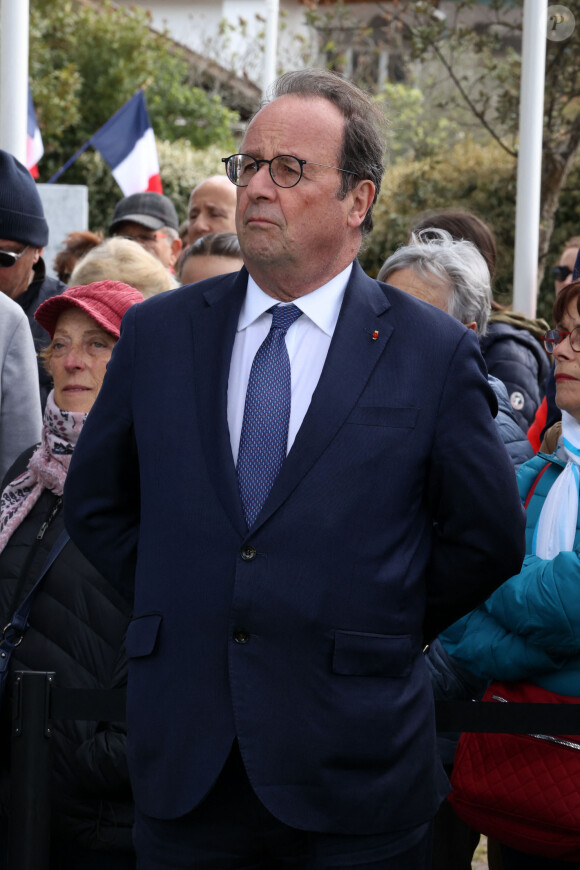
[
  {"x": 452, "y": 275},
  {"x": 449, "y": 274}
]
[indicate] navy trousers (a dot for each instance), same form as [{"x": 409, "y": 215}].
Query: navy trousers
[{"x": 232, "y": 830}]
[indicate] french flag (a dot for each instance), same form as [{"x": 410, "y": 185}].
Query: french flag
[
  {"x": 127, "y": 143},
  {"x": 34, "y": 146}
]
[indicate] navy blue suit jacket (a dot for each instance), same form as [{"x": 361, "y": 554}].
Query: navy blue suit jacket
[{"x": 395, "y": 512}]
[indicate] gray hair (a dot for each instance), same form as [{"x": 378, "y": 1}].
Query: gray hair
[
  {"x": 215, "y": 245},
  {"x": 433, "y": 253},
  {"x": 212, "y": 245},
  {"x": 363, "y": 145}
]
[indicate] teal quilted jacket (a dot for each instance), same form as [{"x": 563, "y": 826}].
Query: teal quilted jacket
[{"x": 529, "y": 628}]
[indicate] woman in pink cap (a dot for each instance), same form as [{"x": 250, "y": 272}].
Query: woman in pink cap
[{"x": 77, "y": 621}]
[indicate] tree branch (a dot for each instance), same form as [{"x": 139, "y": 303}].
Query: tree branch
[{"x": 472, "y": 107}]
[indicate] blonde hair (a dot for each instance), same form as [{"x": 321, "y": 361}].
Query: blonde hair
[{"x": 118, "y": 259}]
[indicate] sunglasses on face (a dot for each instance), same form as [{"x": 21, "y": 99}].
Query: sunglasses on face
[
  {"x": 9, "y": 258},
  {"x": 560, "y": 273}
]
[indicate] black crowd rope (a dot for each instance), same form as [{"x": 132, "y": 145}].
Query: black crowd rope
[{"x": 37, "y": 702}]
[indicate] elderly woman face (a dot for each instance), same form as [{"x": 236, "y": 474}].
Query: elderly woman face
[
  {"x": 203, "y": 266},
  {"x": 429, "y": 289},
  {"x": 567, "y": 362},
  {"x": 77, "y": 359}
]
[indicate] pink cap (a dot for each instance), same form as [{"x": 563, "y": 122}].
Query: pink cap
[{"x": 104, "y": 301}]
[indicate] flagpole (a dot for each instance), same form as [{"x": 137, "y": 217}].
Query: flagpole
[
  {"x": 69, "y": 162},
  {"x": 271, "y": 47},
  {"x": 14, "y": 76},
  {"x": 529, "y": 172}
]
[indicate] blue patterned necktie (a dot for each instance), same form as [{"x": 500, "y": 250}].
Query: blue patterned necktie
[{"x": 264, "y": 436}]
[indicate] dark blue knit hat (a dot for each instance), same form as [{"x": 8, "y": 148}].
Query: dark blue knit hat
[{"x": 21, "y": 213}]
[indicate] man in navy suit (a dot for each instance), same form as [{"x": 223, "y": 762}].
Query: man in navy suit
[{"x": 280, "y": 713}]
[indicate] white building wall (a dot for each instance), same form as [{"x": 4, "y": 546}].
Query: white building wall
[{"x": 198, "y": 24}]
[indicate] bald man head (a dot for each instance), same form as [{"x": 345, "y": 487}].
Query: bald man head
[{"x": 212, "y": 208}]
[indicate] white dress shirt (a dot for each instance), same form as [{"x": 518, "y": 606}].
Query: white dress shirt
[{"x": 307, "y": 341}]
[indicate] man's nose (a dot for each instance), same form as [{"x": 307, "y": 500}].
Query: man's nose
[
  {"x": 262, "y": 184},
  {"x": 200, "y": 224}
]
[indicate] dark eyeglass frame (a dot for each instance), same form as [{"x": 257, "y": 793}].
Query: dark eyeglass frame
[
  {"x": 257, "y": 163},
  {"x": 12, "y": 258},
  {"x": 560, "y": 273},
  {"x": 554, "y": 337}
]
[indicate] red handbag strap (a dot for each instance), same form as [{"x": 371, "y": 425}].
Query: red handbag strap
[{"x": 534, "y": 485}]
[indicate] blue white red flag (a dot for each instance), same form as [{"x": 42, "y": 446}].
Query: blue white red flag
[
  {"x": 34, "y": 146},
  {"x": 127, "y": 143}
]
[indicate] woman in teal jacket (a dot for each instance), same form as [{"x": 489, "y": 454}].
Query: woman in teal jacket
[{"x": 529, "y": 629}]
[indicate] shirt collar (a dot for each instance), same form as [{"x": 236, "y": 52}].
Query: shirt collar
[{"x": 322, "y": 306}]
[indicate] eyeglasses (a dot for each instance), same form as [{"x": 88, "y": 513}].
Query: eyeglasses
[
  {"x": 554, "y": 336},
  {"x": 560, "y": 273},
  {"x": 285, "y": 169},
  {"x": 9, "y": 258}
]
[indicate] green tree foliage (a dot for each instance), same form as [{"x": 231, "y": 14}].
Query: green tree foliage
[
  {"x": 483, "y": 66},
  {"x": 415, "y": 129},
  {"x": 86, "y": 63},
  {"x": 471, "y": 176},
  {"x": 465, "y": 62}
]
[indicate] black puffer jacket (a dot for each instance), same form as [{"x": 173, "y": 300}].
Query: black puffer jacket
[
  {"x": 77, "y": 628},
  {"x": 513, "y": 353}
]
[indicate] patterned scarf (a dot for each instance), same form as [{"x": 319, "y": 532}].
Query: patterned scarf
[
  {"x": 47, "y": 468},
  {"x": 556, "y": 528}
]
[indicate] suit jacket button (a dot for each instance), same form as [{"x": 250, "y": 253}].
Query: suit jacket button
[
  {"x": 248, "y": 554},
  {"x": 241, "y": 636}
]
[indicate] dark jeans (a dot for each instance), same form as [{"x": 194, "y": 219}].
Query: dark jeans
[{"x": 232, "y": 830}]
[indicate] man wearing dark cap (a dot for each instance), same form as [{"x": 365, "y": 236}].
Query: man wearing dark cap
[
  {"x": 23, "y": 235},
  {"x": 150, "y": 219}
]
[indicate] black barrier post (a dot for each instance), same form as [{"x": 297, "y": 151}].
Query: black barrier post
[{"x": 29, "y": 836}]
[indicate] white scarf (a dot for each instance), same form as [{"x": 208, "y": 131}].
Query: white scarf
[{"x": 556, "y": 528}]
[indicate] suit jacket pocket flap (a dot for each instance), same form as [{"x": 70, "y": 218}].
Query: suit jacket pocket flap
[
  {"x": 372, "y": 655},
  {"x": 397, "y": 418},
  {"x": 142, "y": 635}
]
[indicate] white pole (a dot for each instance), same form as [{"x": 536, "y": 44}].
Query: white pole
[
  {"x": 271, "y": 47},
  {"x": 535, "y": 23},
  {"x": 14, "y": 77}
]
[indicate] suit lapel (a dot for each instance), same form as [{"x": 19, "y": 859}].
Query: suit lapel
[
  {"x": 359, "y": 340},
  {"x": 214, "y": 329}
]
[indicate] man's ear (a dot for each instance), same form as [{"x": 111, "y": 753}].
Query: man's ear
[
  {"x": 176, "y": 245},
  {"x": 361, "y": 198}
]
